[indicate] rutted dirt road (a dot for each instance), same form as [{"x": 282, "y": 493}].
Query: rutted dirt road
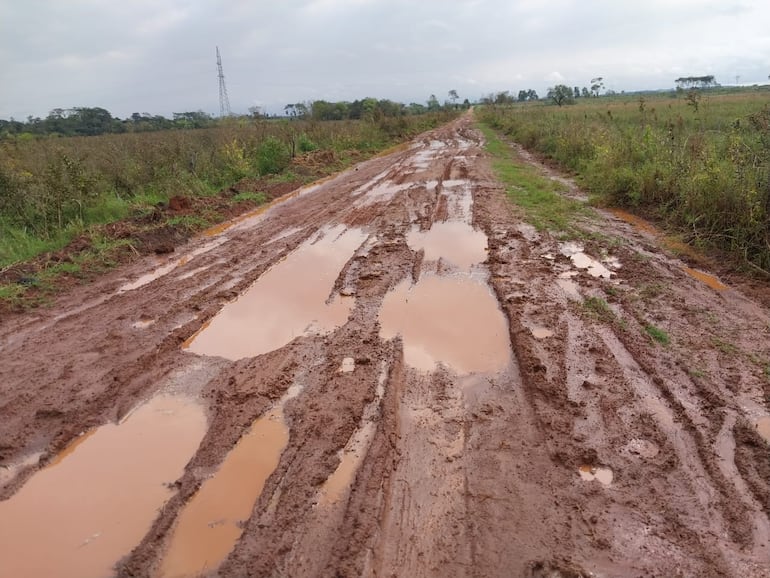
[{"x": 391, "y": 374}]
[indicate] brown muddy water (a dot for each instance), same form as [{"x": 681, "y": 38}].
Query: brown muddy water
[
  {"x": 289, "y": 300},
  {"x": 763, "y": 428},
  {"x": 580, "y": 260},
  {"x": 336, "y": 487},
  {"x": 601, "y": 475},
  {"x": 450, "y": 320},
  {"x": 541, "y": 332},
  {"x": 210, "y": 523},
  {"x": 453, "y": 241},
  {"x": 707, "y": 279},
  {"x": 95, "y": 501}
]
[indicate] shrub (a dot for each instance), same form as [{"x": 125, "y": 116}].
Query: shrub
[{"x": 272, "y": 156}]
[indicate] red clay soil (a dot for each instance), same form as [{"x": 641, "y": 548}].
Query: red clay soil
[{"x": 594, "y": 450}]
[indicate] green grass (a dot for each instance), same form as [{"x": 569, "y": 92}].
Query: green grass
[
  {"x": 18, "y": 244},
  {"x": 657, "y": 334},
  {"x": 101, "y": 256},
  {"x": 724, "y": 346},
  {"x": 11, "y": 292},
  {"x": 537, "y": 196},
  {"x": 598, "y": 309},
  {"x": 259, "y": 197},
  {"x": 705, "y": 172}
]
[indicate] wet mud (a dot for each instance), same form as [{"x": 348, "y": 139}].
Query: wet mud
[{"x": 388, "y": 373}]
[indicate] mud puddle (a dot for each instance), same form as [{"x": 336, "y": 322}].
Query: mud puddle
[
  {"x": 541, "y": 332},
  {"x": 568, "y": 286},
  {"x": 601, "y": 475},
  {"x": 763, "y": 428},
  {"x": 454, "y": 318},
  {"x": 143, "y": 322},
  {"x": 637, "y": 222},
  {"x": 170, "y": 266},
  {"x": 451, "y": 320},
  {"x": 580, "y": 260},
  {"x": 454, "y": 241},
  {"x": 459, "y": 200},
  {"x": 707, "y": 279},
  {"x": 289, "y": 300},
  {"x": 92, "y": 504},
  {"x": 348, "y": 365},
  {"x": 380, "y": 193},
  {"x": 337, "y": 486},
  {"x": 210, "y": 524}
]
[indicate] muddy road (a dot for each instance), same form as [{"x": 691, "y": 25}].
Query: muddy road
[{"x": 390, "y": 373}]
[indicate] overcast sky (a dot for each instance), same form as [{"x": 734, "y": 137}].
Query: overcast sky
[{"x": 158, "y": 56}]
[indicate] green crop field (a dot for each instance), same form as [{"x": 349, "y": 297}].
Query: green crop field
[{"x": 699, "y": 160}]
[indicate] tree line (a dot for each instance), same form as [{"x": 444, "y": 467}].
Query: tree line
[
  {"x": 90, "y": 121},
  {"x": 369, "y": 108}
]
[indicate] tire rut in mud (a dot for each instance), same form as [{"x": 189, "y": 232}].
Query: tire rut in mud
[{"x": 395, "y": 465}]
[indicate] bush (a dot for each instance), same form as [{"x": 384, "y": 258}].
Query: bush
[
  {"x": 272, "y": 156},
  {"x": 306, "y": 145}
]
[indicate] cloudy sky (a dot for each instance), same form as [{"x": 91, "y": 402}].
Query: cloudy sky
[{"x": 158, "y": 56}]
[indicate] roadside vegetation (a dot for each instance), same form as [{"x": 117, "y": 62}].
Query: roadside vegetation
[
  {"x": 77, "y": 205},
  {"x": 698, "y": 160},
  {"x": 539, "y": 197}
]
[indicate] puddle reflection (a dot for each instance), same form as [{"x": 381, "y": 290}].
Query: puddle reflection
[{"x": 87, "y": 509}]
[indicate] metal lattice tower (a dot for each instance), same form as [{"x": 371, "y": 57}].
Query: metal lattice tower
[{"x": 224, "y": 100}]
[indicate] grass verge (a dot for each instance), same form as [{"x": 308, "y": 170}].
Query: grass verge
[{"x": 539, "y": 198}]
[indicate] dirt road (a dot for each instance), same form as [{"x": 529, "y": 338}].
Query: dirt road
[{"x": 391, "y": 374}]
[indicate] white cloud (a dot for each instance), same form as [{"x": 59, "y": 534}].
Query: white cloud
[
  {"x": 555, "y": 77},
  {"x": 159, "y": 57}
]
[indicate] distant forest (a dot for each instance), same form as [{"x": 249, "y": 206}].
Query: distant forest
[{"x": 85, "y": 121}]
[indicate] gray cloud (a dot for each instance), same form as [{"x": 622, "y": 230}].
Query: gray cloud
[{"x": 158, "y": 57}]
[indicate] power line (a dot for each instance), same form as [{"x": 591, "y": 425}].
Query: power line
[{"x": 224, "y": 100}]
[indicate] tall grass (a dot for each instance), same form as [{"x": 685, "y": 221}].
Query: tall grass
[
  {"x": 700, "y": 161},
  {"x": 51, "y": 188}
]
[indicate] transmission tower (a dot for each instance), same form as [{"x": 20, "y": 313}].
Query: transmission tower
[{"x": 224, "y": 100}]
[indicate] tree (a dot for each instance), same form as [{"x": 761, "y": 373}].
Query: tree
[
  {"x": 696, "y": 82},
  {"x": 194, "y": 119},
  {"x": 576, "y": 92},
  {"x": 301, "y": 110},
  {"x": 433, "y": 103},
  {"x": 561, "y": 94},
  {"x": 453, "y": 97},
  {"x": 91, "y": 121},
  {"x": 584, "y": 92},
  {"x": 597, "y": 84}
]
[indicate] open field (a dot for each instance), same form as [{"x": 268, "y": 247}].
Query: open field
[
  {"x": 440, "y": 362},
  {"x": 56, "y": 192},
  {"x": 698, "y": 161}
]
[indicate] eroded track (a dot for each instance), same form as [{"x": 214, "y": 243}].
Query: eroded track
[{"x": 390, "y": 374}]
